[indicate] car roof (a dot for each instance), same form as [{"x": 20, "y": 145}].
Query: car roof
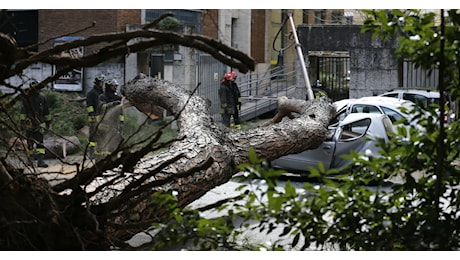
[
  {"x": 423, "y": 92},
  {"x": 390, "y": 102},
  {"x": 386, "y": 101},
  {"x": 339, "y": 104}
]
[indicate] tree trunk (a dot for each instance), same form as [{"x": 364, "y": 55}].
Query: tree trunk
[{"x": 210, "y": 152}]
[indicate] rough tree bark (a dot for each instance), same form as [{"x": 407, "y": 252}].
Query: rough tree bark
[
  {"x": 207, "y": 153},
  {"x": 103, "y": 205}
]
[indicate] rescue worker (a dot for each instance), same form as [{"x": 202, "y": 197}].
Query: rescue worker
[
  {"x": 92, "y": 107},
  {"x": 109, "y": 98},
  {"x": 237, "y": 93},
  {"x": 229, "y": 95},
  {"x": 35, "y": 117},
  {"x": 112, "y": 119},
  {"x": 318, "y": 90}
]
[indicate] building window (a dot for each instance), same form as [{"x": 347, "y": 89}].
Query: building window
[
  {"x": 305, "y": 15},
  {"x": 191, "y": 18},
  {"x": 320, "y": 16},
  {"x": 336, "y": 17},
  {"x": 348, "y": 18}
]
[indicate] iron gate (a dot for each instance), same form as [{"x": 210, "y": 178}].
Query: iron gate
[{"x": 333, "y": 72}]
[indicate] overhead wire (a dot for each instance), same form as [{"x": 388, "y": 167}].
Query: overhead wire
[{"x": 282, "y": 49}]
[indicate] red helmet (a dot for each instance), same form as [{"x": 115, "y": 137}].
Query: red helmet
[
  {"x": 233, "y": 74},
  {"x": 228, "y": 76}
]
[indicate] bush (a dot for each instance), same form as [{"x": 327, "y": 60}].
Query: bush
[{"x": 68, "y": 112}]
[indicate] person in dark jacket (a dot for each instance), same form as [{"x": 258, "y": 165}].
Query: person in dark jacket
[
  {"x": 35, "y": 117},
  {"x": 109, "y": 98},
  {"x": 112, "y": 120},
  {"x": 229, "y": 95},
  {"x": 92, "y": 107},
  {"x": 318, "y": 90},
  {"x": 237, "y": 94}
]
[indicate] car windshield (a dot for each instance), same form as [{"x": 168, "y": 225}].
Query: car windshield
[{"x": 420, "y": 99}]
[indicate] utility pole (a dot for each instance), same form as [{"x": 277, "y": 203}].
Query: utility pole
[{"x": 302, "y": 61}]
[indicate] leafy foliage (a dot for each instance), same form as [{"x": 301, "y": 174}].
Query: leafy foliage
[
  {"x": 68, "y": 112},
  {"x": 169, "y": 23},
  {"x": 418, "y": 213}
]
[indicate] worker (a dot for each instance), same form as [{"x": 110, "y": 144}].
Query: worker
[
  {"x": 229, "y": 96},
  {"x": 35, "y": 118},
  {"x": 237, "y": 94},
  {"x": 111, "y": 120},
  {"x": 92, "y": 107},
  {"x": 318, "y": 90}
]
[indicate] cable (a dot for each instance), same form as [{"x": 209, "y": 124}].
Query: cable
[{"x": 278, "y": 33}]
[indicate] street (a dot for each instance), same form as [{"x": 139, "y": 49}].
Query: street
[{"x": 229, "y": 190}]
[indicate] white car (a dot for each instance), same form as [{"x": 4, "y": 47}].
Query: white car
[
  {"x": 415, "y": 95},
  {"x": 357, "y": 132},
  {"x": 424, "y": 97},
  {"x": 391, "y": 107}
]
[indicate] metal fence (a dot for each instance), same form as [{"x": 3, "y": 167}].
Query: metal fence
[
  {"x": 413, "y": 77},
  {"x": 334, "y": 74},
  {"x": 209, "y": 72},
  {"x": 260, "y": 91}
]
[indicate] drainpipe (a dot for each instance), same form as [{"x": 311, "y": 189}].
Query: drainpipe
[{"x": 302, "y": 61}]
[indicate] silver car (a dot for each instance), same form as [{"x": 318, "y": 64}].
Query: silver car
[{"x": 357, "y": 131}]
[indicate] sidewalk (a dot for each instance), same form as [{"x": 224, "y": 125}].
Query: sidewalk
[{"x": 58, "y": 169}]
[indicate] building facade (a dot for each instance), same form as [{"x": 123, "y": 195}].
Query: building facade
[
  {"x": 259, "y": 32},
  {"x": 264, "y": 34}
]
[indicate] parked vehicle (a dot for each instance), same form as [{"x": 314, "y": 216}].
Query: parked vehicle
[
  {"x": 423, "y": 97},
  {"x": 374, "y": 105},
  {"x": 357, "y": 131},
  {"x": 415, "y": 95}
]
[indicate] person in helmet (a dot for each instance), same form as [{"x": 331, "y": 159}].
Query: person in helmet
[
  {"x": 319, "y": 90},
  {"x": 112, "y": 120},
  {"x": 229, "y": 96},
  {"x": 35, "y": 118},
  {"x": 92, "y": 107},
  {"x": 237, "y": 93},
  {"x": 109, "y": 98}
]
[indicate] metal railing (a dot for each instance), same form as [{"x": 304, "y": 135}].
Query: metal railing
[{"x": 259, "y": 91}]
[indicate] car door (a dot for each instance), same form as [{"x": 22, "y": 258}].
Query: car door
[
  {"x": 301, "y": 162},
  {"x": 350, "y": 136}
]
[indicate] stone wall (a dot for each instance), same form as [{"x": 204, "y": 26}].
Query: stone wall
[{"x": 373, "y": 67}]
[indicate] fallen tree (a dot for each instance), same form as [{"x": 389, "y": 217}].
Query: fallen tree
[
  {"x": 204, "y": 155},
  {"x": 105, "y": 204}
]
